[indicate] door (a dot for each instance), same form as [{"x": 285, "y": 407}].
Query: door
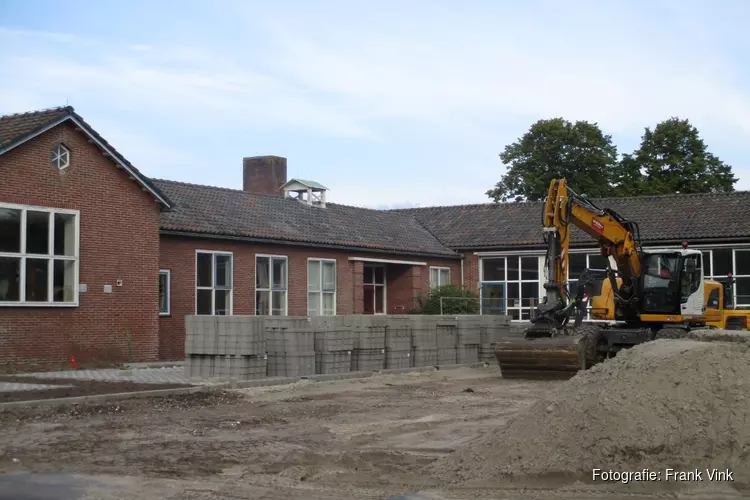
[{"x": 374, "y": 289}]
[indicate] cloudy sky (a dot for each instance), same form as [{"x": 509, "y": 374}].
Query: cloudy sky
[{"x": 386, "y": 103}]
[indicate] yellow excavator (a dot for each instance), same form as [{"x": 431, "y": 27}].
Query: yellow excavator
[{"x": 651, "y": 294}]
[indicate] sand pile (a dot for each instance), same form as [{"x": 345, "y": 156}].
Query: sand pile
[{"x": 664, "y": 404}]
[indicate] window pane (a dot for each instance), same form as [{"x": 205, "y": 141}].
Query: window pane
[
  {"x": 743, "y": 291},
  {"x": 63, "y": 281},
  {"x": 529, "y": 294},
  {"x": 493, "y": 269},
  {"x": 576, "y": 265},
  {"x": 204, "y": 302},
  {"x": 379, "y": 272},
  {"x": 162, "y": 291},
  {"x": 722, "y": 262},
  {"x": 221, "y": 302},
  {"x": 329, "y": 304},
  {"x": 514, "y": 314},
  {"x": 278, "y": 303},
  {"x": 65, "y": 234},
  {"x": 313, "y": 304},
  {"x": 368, "y": 274},
  {"x": 205, "y": 271},
  {"x": 36, "y": 280},
  {"x": 742, "y": 262},
  {"x": 529, "y": 268},
  {"x": 598, "y": 261},
  {"x": 223, "y": 271},
  {"x": 262, "y": 273},
  {"x": 572, "y": 284},
  {"x": 10, "y": 230},
  {"x": 379, "y": 299},
  {"x": 262, "y": 304},
  {"x": 445, "y": 277},
  {"x": 513, "y": 290},
  {"x": 512, "y": 268},
  {"x": 279, "y": 274},
  {"x": 525, "y": 314},
  {"x": 313, "y": 275},
  {"x": 10, "y": 272},
  {"x": 37, "y": 232},
  {"x": 329, "y": 275},
  {"x": 707, "y": 264},
  {"x": 434, "y": 277},
  {"x": 369, "y": 297}
]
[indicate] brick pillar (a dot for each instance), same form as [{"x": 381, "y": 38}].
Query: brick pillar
[
  {"x": 417, "y": 284},
  {"x": 358, "y": 291}
]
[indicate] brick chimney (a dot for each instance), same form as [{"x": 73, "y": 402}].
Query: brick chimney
[{"x": 264, "y": 174}]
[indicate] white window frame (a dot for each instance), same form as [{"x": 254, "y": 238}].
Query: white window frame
[
  {"x": 520, "y": 281},
  {"x": 439, "y": 269},
  {"x": 270, "y": 288},
  {"x": 49, "y": 256},
  {"x": 741, "y": 302},
  {"x": 384, "y": 285},
  {"x": 59, "y": 152},
  {"x": 321, "y": 291},
  {"x": 214, "y": 254},
  {"x": 168, "y": 291}
]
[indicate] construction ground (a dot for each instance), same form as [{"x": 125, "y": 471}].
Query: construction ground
[{"x": 463, "y": 433}]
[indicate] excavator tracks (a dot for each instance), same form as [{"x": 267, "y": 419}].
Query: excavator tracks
[{"x": 547, "y": 358}]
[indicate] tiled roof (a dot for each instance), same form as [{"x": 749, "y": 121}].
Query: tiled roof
[
  {"x": 310, "y": 184},
  {"x": 16, "y": 128},
  {"x": 227, "y": 212},
  {"x": 663, "y": 218}
]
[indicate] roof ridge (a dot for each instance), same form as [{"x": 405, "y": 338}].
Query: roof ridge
[{"x": 38, "y": 112}]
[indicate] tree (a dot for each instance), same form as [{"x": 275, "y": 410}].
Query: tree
[
  {"x": 555, "y": 148},
  {"x": 673, "y": 159}
]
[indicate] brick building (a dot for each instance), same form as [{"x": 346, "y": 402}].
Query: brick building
[{"x": 96, "y": 258}]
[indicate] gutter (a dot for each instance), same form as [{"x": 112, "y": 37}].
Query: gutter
[
  {"x": 268, "y": 241},
  {"x": 588, "y": 246}
]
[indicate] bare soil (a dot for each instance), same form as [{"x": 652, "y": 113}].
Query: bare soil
[
  {"x": 79, "y": 388},
  {"x": 372, "y": 438}
]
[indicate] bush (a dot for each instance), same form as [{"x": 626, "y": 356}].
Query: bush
[{"x": 457, "y": 300}]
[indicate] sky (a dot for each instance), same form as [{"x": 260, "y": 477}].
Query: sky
[{"x": 388, "y": 104}]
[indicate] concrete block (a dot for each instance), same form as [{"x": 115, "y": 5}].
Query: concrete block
[
  {"x": 469, "y": 330},
  {"x": 446, "y": 356},
  {"x": 487, "y": 352},
  {"x": 424, "y": 357},
  {"x": 447, "y": 336},
  {"x": 467, "y": 354},
  {"x": 368, "y": 359},
  {"x": 290, "y": 365},
  {"x": 333, "y": 362},
  {"x": 333, "y": 333},
  {"x": 397, "y": 358},
  {"x": 398, "y": 334},
  {"x": 289, "y": 335}
]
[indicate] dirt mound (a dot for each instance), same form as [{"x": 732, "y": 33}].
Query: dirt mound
[{"x": 664, "y": 404}]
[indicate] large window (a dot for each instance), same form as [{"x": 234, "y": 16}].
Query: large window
[
  {"x": 511, "y": 284},
  {"x": 374, "y": 288},
  {"x": 321, "y": 287},
  {"x": 213, "y": 272},
  {"x": 720, "y": 262},
  {"x": 270, "y": 285},
  {"x": 164, "y": 292},
  {"x": 440, "y": 276},
  {"x": 38, "y": 256}
]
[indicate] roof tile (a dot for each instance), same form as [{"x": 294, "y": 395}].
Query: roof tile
[{"x": 19, "y": 125}]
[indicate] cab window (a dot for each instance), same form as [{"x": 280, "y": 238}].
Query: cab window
[{"x": 713, "y": 299}]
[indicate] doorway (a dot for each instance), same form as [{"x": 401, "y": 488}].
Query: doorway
[{"x": 373, "y": 281}]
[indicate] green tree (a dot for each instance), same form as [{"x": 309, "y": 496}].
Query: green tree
[
  {"x": 556, "y": 148},
  {"x": 672, "y": 158}
]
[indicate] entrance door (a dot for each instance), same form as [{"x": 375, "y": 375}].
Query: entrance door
[
  {"x": 374, "y": 284},
  {"x": 493, "y": 298}
]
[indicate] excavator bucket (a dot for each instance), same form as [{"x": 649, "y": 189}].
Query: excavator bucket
[{"x": 539, "y": 355}]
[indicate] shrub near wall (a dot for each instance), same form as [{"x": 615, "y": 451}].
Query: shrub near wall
[{"x": 456, "y": 300}]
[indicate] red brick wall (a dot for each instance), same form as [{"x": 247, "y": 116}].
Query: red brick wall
[
  {"x": 471, "y": 271},
  {"x": 178, "y": 255},
  {"x": 119, "y": 239}
]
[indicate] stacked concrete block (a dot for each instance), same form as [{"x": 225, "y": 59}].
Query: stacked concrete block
[
  {"x": 369, "y": 343},
  {"x": 447, "y": 341},
  {"x": 398, "y": 343},
  {"x": 424, "y": 340},
  {"x": 493, "y": 329},
  {"x": 334, "y": 343},
  {"x": 468, "y": 338},
  {"x": 290, "y": 346}
]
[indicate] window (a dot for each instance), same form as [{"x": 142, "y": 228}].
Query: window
[
  {"x": 164, "y": 292},
  {"x": 213, "y": 281},
  {"x": 720, "y": 262},
  {"x": 440, "y": 276},
  {"x": 38, "y": 256},
  {"x": 270, "y": 285},
  {"x": 60, "y": 157},
  {"x": 510, "y": 284},
  {"x": 321, "y": 287},
  {"x": 374, "y": 288}
]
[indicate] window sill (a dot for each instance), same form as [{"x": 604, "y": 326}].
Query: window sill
[
  {"x": 39, "y": 304},
  {"x": 165, "y": 315}
]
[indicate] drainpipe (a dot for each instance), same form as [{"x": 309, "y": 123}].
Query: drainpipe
[{"x": 462, "y": 271}]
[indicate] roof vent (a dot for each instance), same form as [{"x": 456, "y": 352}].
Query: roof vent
[{"x": 308, "y": 192}]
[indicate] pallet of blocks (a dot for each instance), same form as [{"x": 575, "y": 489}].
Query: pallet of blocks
[
  {"x": 225, "y": 347},
  {"x": 424, "y": 350},
  {"x": 290, "y": 346},
  {"x": 398, "y": 343},
  {"x": 447, "y": 341},
  {"x": 468, "y": 339},
  {"x": 333, "y": 343},
  {"x": 369, "y": 343},
  {"x": 492, "y": 330}
]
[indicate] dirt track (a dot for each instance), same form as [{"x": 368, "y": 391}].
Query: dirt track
[{"x": 360, "y": 438}]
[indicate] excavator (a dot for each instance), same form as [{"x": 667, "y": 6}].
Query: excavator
[{"x": 651, "y": 294}]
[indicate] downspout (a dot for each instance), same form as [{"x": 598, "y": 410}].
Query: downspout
[{"x": 462, "y": 270}]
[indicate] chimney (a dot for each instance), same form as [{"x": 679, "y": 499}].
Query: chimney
[{"x": 264, "y": 174}]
